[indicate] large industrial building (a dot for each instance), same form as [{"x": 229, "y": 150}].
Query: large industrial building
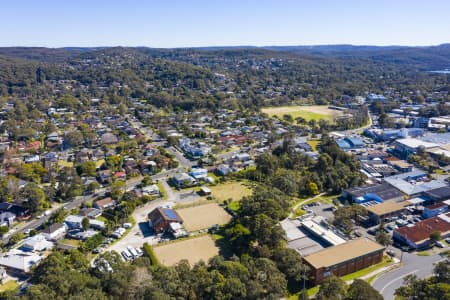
[{"x": 344, "y": 258}]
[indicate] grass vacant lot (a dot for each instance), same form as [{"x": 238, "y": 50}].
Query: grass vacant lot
[
  {"x": 9, "y": 286},
  {"x": 70, "y": 242},
  {"x": 233, "y": 190},
  {"x": 313, "y": 112},
  {"x": 203, "y": 216},
  {"x": 194, "y": 250},
  {"x": 314, "y": 144}
]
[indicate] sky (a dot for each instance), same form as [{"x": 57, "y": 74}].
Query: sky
[{"x": 196, "y": 23}]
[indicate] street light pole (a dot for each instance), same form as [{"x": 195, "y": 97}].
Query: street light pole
[{"x": 304, "y": 282}]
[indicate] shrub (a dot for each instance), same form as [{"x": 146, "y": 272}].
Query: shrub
[{"x": 148, "y": 251}]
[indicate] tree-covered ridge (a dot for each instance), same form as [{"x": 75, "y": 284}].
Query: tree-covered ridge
[{"x": 193, "y": 78}]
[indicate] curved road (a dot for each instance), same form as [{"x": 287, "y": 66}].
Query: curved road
[{"x": 421, "y": 266}]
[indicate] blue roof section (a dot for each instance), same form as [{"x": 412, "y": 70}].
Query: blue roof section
[
  {"x": 170, "y": 213},
  {"x": 354, "y": 141},
  {"x": 437, "y": 138},
  {"x": 343, "y": 144}
]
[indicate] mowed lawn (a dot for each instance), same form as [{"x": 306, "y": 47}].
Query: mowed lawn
[
  {"x": 313, "y": 112},
  {"x": 194, "y": 250},
  {"x": 203, "y": 216},
  {"x": 233, "y": 190}
]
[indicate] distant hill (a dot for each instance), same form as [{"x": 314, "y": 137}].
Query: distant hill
[{"x": 420, "y": 58}]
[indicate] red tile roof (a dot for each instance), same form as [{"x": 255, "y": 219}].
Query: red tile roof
[{"x": 422, "y": 230}]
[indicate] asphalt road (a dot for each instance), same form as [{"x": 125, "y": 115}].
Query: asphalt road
[
  {"x": 130, "y": 184},
  {"x": 421, "y": 266}
]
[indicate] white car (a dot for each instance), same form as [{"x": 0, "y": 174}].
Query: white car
[{"x": 440, "y": 244}]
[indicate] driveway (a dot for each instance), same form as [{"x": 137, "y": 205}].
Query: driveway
[
  {"x": 421, "y": 266},
  {"x": 139, "y": 233}
]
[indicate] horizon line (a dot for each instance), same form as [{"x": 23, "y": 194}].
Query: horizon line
[{"x": 234, "y": 46}]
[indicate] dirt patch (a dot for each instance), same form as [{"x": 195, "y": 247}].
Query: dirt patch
[
  {"x": 203, "y": 216},
  {"x": 194, "y": 250}
]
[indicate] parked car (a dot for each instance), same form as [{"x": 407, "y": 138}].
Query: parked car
[
  {"x": 126, "y": 255},
  {"x": 132, "y": 251},
  {"x": 440, "y": 244},
  {"x": 390, "y": 253}
]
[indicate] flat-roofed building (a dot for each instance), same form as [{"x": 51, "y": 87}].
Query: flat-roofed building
[
  {"x": 319, "y": 228},
  {"x": 388, "y": 209},
  {"x": 375, "y": 192},
  {"x": 439, "y": 194},
  {"x": 344, "y": 258}
]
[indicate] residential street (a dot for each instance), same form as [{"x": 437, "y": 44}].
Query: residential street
[{"x": 422, "y": 266}]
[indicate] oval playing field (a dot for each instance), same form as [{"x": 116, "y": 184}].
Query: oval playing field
[{"x": 312, "y": 112}]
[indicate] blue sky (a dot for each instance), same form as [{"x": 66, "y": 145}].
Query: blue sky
[{"x": 187, "y": 23}]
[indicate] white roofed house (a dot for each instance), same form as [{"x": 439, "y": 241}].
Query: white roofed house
[
  {"x": 19, "y": 262},
  {"x": 37, "y": 243},
  {"x": 55, "y": 232},
  {"x": 150, "y": 190}
]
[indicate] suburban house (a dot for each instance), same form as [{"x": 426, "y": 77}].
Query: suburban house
[
  {"x": 97, "y": 224},
  {"x": 418, "y": 236},
  {"x": 160, "y": 219},
  {"x": 199, "y": 173},
  {"x": 20, "y": 212},
  {"x": 150, "y": 190},
  {"x": 37, "y": 242},
  {"x": 344, "y": 258},
  {"x": 54, "y": 232},
  {"x": 182, "y": 180},
  {"x": 91, "y": 213},
  {"x": 7, "y": 218},
  {"x": 104, "y": 203},
  {"x": 19, "y": 262},
  {"x": 73, "y": 221},
  {"x": 223, "y": 170}
]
